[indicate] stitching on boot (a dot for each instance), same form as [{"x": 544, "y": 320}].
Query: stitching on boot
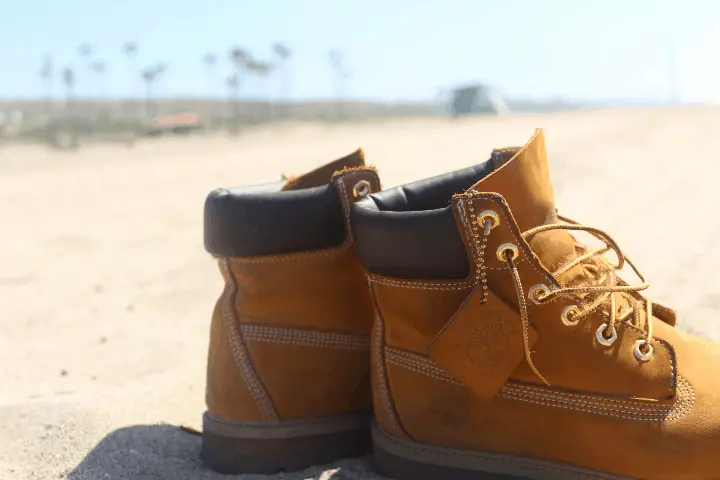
[
  {"x": 623, "y": 409},
  {"x": 471, "y": 235},
  {"x": 340, "y": 185},
  {"x": 382, "y": 378},
  {"x": 629, "y": 409},
  {"x": 519, "y": 241},
  {"x": 363, "y": 168},
  {"x": 305, "y": 338},
  {"x": 419, "y": 365},
  {"x": 418, "y": 449},
  {"x": 339, "y": 181},
  {"x": 527, "y": 254},
  {"x": 379, "y": 353},
  {"x": 656, "y": 342},
  {"x": 465, "y": 284},
  {"x": 288, "y": 257},
  {"x": 391, "y": 282},
  {"x": 242, "y": 359},
  {"x": 471, "y": 238}
]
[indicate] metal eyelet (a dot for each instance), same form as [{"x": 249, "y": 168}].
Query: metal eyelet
[
  {"x": 600, "y": 336},
  {"x": 361, "y": 188},
  {"x": 505, "y": 247},
  {"x": 488, "y": 215},
  {"x": 565, "y": 315},
  {"x": 639, "y": 354},
  {"x": 535, "y": 289}
]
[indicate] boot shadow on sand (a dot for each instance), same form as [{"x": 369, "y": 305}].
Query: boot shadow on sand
[{"x": 154, "y": 452}]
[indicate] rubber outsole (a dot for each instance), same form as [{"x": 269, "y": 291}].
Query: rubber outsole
[
  {"x": 273, "y": 447},
  {"x": 403, "y": 459}
]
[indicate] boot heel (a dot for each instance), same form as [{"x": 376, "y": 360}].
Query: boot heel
[{"x": 285, "y": 446}]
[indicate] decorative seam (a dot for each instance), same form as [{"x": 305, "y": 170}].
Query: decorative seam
[
  {"x": 242, "y": 359},
  {"x": 379, "y": 351},
  {"x": 626, "y": 409},
  {"x": 304, "y": 338}
]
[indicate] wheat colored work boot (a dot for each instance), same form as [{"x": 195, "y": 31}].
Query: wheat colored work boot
[
  {"x": 288, "y": 381},
  {"x": 503, "y": 348}
]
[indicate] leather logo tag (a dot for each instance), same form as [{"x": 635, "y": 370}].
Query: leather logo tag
[{"x": 482, "y": 344}]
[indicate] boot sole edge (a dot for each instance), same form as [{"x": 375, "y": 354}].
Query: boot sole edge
[
  {"x": 404, "y": 459},
  {"x": 237, "y": 447}
]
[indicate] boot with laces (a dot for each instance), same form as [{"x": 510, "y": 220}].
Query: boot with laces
[
  {"x": 504, "y": 348},
  {"x": 288, "y": 382}
]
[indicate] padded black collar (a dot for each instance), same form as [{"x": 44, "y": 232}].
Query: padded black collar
[
  {"x": 410, "y": 232},
  {"x": 263, "y": 220}
]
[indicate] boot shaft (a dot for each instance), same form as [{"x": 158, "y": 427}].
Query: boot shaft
[
  {"x": 416, "y": 308},
  {"x": 470, "y": 359},
  {"x": 289, "y": 340}
]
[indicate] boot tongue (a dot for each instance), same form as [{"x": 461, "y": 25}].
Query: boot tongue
[
  {"x": 522, "y": 176},
  {"x": 323, "y": 175}
]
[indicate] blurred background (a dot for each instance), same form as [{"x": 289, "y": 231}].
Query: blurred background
[
  {"x": 117, "y": 117},
  {"x": 77, "y": 71}
]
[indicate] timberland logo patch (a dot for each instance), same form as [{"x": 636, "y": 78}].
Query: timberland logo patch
[
  {"x": 482, "y": 345},
  {"x": 489, "y": 337}
]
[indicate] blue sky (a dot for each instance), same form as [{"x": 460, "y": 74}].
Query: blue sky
[{"x": 395, "y": 49}]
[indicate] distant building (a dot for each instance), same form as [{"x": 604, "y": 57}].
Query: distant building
[
  {"x": 175, "y": 123},
  {"x": 16, "y": 116},
  {"x": 479, "y": 98}
]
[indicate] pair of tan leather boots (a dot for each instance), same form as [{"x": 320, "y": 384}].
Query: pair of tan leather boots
[{"x": 452, "y": 326}]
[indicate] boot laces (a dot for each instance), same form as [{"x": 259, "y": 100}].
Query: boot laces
[{"x": 599, "y": 290}]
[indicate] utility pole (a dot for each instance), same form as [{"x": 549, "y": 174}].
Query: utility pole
[
  {"x": 671, "y": 66},
  {"x": 341, "y": 76}
]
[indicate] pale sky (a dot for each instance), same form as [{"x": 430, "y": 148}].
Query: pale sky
[{"x": 395, "y": 49}]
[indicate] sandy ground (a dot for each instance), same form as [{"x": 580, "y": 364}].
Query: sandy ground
[{"x": 106, "y": 291}]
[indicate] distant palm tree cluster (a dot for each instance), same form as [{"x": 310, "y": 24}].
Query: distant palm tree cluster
[{"x": 243, "y": 64}]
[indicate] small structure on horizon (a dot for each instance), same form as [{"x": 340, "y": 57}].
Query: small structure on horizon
[
  {"x": 478, "y": 98},
  {"x": 178, "y": 123}
]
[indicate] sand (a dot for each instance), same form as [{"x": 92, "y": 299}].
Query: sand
[{"x": 106, "y": 291}]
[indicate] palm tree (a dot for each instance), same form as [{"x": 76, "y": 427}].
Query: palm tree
[
  {"x": 68, "y": 79},
  {"x": 99, "y": 68},
  {"x": 282, "y": 54},
  {"x": 210, "y": 61},
  {"x": 342, "y": 74},
  {"x": 46, "y": 75},
  {"x": 150, "y": 76},
  {"x": 239, "y": 57},
  {"x": 233, "y": 85},
  {"x": 261, "y": 70},
  {"x": 160, "y": 69},
  {"x": 85, "y": 51},
  {"x": 130, "y": 50}
]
